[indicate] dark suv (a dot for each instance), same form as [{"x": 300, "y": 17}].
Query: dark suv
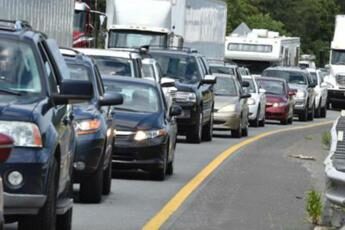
[
  {"x": 34, "y": 112},
  {"x": 300, "y": 81},
  {"x": 195, "y": 90},
  {"x": 95, "y": 130}
]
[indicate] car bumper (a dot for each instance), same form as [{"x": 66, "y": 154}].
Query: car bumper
[
  {"x": 146, "y": 155},
  {"x": 90, "y": 151},
  {"x": 226, "y": 121},
  {"x": 336, "y": 96},
  {"x": 23, "y": 204},
  {"x": 277, "y": 113}
]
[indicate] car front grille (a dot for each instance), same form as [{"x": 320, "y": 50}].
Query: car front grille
[{"x": 340, "y": 78}]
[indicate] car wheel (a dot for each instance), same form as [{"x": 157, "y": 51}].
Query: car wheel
[
  {"x": 263, "y": 121},
  {"x": 196, "y": 134},
  {"x": 323, "y": 112},
  {"x": 256, "y": 122},
  {"x": 318, "y": 110},
  {"x": 245, "y": 132},
  {"x": 285, "y": 121},
  {"x": 304, "y": 115},
  {"x": 290, "y": 120},
  {"x": 107, "y": 178},
  {"x": 311, "y": 113},
  {"x": 91, "y": 188},
  {"x": 159, "y": 174},
  {"x": 207, "y": 133},
  {"x": 46, "y": 217},
  {"x": 64, "y": 222},
  {"x": 237, "y": 133}
]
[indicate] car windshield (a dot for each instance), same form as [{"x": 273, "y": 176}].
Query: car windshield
[
  {"x": 338, "y": 57},
  {"x": 292, "y": 77},
  {"x": 181, "y": 67},
  {"x": 148, "y": 71},
  {"x": 18, "y": 68},
  {"x": 136, "y": 97},
  {"x": 79, "y": 72},
  {"x": 222, "y": 70},
  {"x": 251, "y": 87},
  {"x": 272, "y": 87},
  {"x": 225, "y": 86},
  {"x": 114, "y": 66}
]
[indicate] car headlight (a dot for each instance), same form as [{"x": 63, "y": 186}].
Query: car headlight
[
  {"x": 228, "y": 108},
  {"x": 301, "y": 94},
  {"x": 24, "y": 134},
  {"x": 184, "y": 96},
  {"x": 279, "y": 104},
  {"x": 84, "y": 127},
  {"x": 145, "y": 135},
  {"x": 251, "y": 101}
]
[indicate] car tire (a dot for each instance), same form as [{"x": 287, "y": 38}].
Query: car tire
[
  {"x": 170, "y": 166},
  {"x": 318, "y": 110},
  {"x": 290, "y": 120},
  {"x": 285, "y": 121},
  {"x": 311, "y": 113},
  {"x": 237, "y": 133},
  {"x": 91, "y": 188},
  {"x": 323, "y": 112},
  {"x": 107, "y": 178},
  {"x": 46, "y": 217},
  {"x": 245, "y": 132},
  {"x": 304, "y": 115},
  {"x": 160, "y": 173},
  {"x": 262, "y": 122},
  {"x": 195, "y": 135},
  {"x": 207, "y": 133},
  {"x": 64, "y": 222}
]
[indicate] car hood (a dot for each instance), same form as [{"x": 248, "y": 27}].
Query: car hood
[
  {"x": 84, "y": 111},
  {"x": 275, "y": 98},
  {"x": 132, "y": 121},
  {"x": 222, "y": 101},
  {"x": 17, "y": 108},
  {"x": 298, "y": 87}
]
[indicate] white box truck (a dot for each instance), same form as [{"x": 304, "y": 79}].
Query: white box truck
[
  {"x": 261, "y": 48},
  {"x": 201, "y": 24},
  {"x": 336, "y": 79},
  {"x": 52, "y": 17}
]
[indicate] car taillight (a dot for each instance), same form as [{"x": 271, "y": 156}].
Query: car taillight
[{"x": 6, "y": 145}]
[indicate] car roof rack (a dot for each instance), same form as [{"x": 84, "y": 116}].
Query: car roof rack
[{"x": 15, "y": 25}]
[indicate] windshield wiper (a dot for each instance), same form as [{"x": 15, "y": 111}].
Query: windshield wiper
[
  {"x": 125, "y": 109},
  {"x": 9, "y": 91}
]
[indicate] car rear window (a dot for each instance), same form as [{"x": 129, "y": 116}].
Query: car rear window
[
  {"x": 292, "y": 77},
  {"x": 222, "y": 70},
  {"x": 272, "y": 87},
  {"x": 114, "y": 66}
]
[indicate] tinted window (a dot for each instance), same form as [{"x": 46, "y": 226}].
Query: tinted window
[
  {"x": 272, "y": 87},
  {"x": 137, "y": 97},
  {"x": 222, "y": 70},
  {"x": 114, "y": 66},
  {"x": 225, "y": 86},
  {"x": 292, "y": 77},
  {"x": 18, "y": 68},
  {"x": 180, "y": 67}
]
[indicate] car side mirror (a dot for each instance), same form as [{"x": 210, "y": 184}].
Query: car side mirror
[
  {"x": 167, "y": 82},
  {"x": 6, "y": 145},
  {"x": 261, "y": 90},
  {"x": 209, "y": 79},
  {"x": 245, "y": 84},
  {"x": 72, "y": 92},
  {"x": 175, "y": 110},
  {"x": 245, "y": 96},
  {"x": 111, "y": 99}
]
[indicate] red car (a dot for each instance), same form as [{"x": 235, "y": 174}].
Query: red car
[{"x": 280, "y": 102}]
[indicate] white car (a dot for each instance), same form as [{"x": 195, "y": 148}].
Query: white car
[
  {"x": 152, "y": 71},
  {"x": 320, "y": 93},
  {"x": 257, "y": 102}
]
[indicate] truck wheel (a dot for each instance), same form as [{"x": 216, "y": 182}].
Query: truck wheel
[
  {"x": 207, "y": 132},
  {"x": 318, "y": 110},
  {"x": 323, "y": 112},
  {"x": 91, "y": 188},
  {"x": 195, "y": 135},
  {"x": 46, "y": 217},
  {"x": 107, "y": 178}
]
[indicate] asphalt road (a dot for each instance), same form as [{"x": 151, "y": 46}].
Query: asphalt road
[{"x": 258, "y": 187}]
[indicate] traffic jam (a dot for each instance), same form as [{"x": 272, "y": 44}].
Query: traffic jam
[{"x": 127, "y": 92}]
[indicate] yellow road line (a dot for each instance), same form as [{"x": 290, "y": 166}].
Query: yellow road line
[{"x": 171, "y": 206}]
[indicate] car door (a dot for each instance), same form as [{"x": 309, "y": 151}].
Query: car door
[{"x": 206, "y": 91}]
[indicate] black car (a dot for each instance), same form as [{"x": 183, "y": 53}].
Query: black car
[
  {"x": 301, "y": 82},
  {"x": 146, "y": 131},
  {"x": 195, "y": 91},
  {"x": 34, "y": 111},
  {"x": 95, "y": 131}
]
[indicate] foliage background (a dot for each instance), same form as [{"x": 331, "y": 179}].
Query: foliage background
[{"x": 312, "y": 20}]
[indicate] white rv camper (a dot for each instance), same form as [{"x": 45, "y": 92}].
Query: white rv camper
[{"x": 260, "y": 48}]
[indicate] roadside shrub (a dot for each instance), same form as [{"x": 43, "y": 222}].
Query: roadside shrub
[
  {"x": 326, "y": 139},
  {"x": 314, "y": 206}
]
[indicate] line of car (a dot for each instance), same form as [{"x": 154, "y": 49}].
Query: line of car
[{"x": 75, "y": 115}]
